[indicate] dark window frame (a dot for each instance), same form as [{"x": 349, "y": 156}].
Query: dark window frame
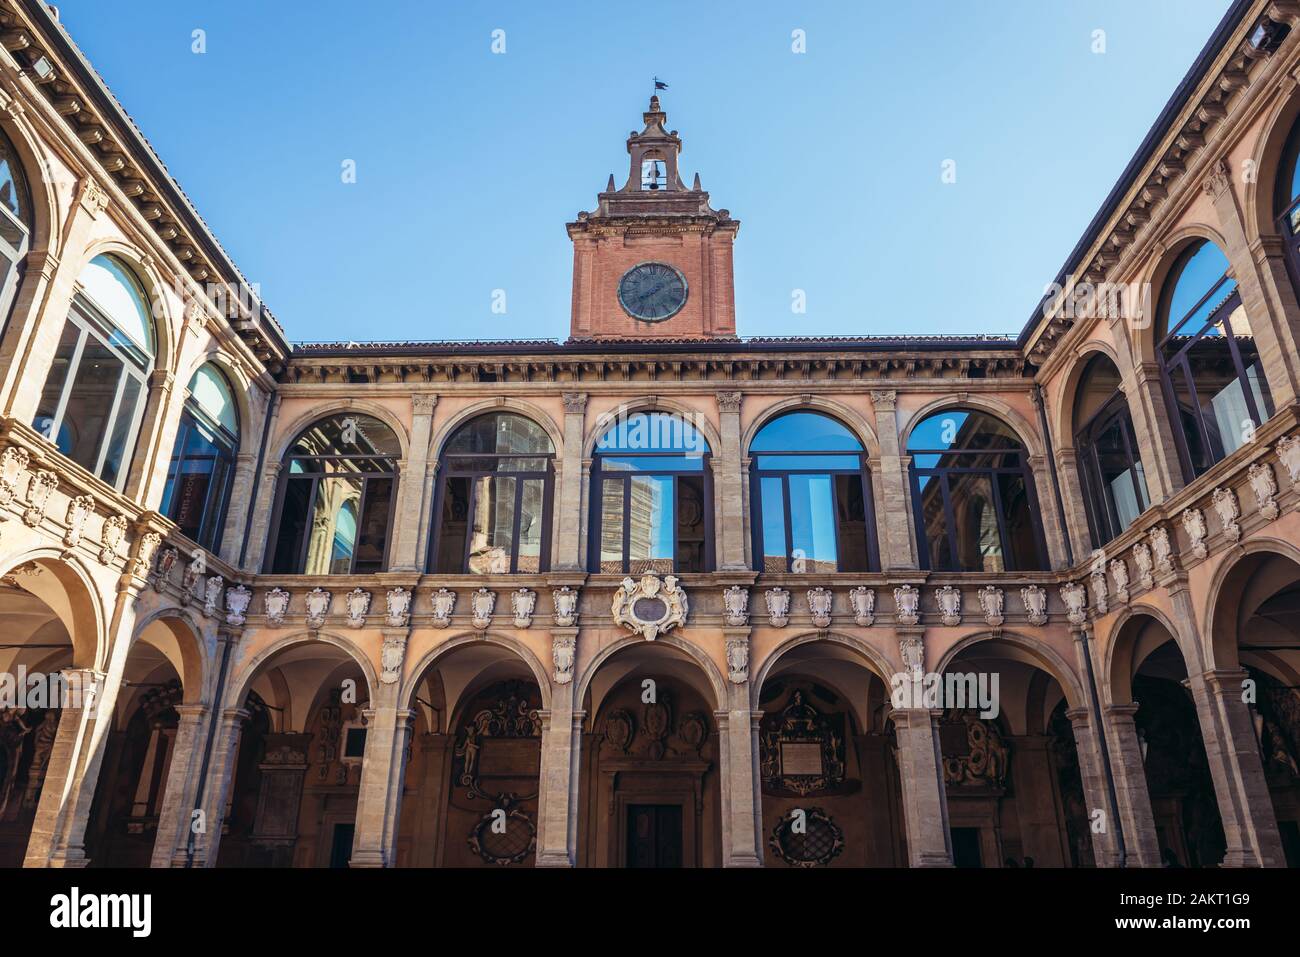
[
  {"x": 756, "y": 476},
  {"x": 598, "y": 478},
  {"x": 1179, "y": 362},
  {"x": 447, "y": 470},
  {"x": 193, "y": 418},
  {"x": 940, "y": 473},
  {"x": 1104, "y": 523}
]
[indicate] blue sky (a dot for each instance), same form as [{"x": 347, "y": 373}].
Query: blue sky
[{"x": 469, "y": 163}]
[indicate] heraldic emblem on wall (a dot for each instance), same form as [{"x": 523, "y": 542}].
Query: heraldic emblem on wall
[{"x": 650, "y": 607}]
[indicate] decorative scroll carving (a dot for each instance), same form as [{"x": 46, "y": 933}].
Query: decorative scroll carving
[
  {"x": 398, "y": 602},
  {"x": 729, "y": 401},
  {"x": 735, "y": 604},
  {"x": 563, "y": 654},
  {"x": 863, "y": 602},
  {"x": 912, "y": 651},
  {"x": 738, "y": 660},
  {"x": 144, "y": 555},
  {"x": 1196, "y": 529},
  {"x": 513, "y": 715},
  {"x": 522, "y": 603},
  {"x": 949, "y": 601},
  {"x": 566, "y": 606},
  {"x": 991, "y": 601},
  {"x": 819, "y": 606},
  {"x": 778, "y": 606},
  {"x": 510, "y": 845},
  {"x": 1034, "y": 599},
  {"x": 981, "y": 757},
  {"x": 276, "y": 603},
  {"x": 816, "y": 843},
  {"x": 1228, "y": 509},
  {"x": 802, "y": 750},
  {"x": 650, "y": 607},
  {"x": 906, "y": 603},
  {"x": 444, "y": 602},
  {"x": 1265, "y": 488},
  {"x": 1288, "y": 453},
  {"x": 318, "y": 603}
]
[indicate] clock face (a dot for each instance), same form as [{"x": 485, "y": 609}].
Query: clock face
[{"x": 652, "y": 291}]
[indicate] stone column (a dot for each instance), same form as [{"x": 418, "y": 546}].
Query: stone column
[
  {"x": 175, "y": 814},
  {"x": 409, "y": 518},
  {"x": 570, "y": 518},
  {"x": 1076, "y": 515},
  {"x": 1249, "y": 824},
  {"x": 742, "y": 819},
  {"x": 157, "y": 435},
  {"x": 262, "y": 532},
  {"x": 729, "y": 504},
  {"x": 1049, "y": 516},
  {"x": 1131, "y": 792},
  {"x": 557, "y": 803},
  {"x": 1105, "y": 843},
  {"x": 241, "y": 494},
  {"x": 383, "y": 767},
  {"x": 1154, "y": 431},
  {"x": 39, "y": 314},
  {"x": 920, "y": 770},
  {"x": 69, "y": 772},
  {"x": 897, "y": 543},
  {"x": 1274, "y": 338},
  {"x": 221, "y": 779}
]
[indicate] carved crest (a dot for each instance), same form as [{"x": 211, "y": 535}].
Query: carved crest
[
  {"x": 1229, "y": 510},
  {"x": 398, "y": 601},
  {"x": 1119, "y": 575},
  {"x": 145, "y": 552},
  {"x": 1100, "y": 596},
  {"x": 212, "y": 590},
  {"x": 1288, "y": 453},
  {"x": 276, "y": 602},
  {"x": 991, "y": 602},
  {"x": 481, "y": 605},
  {"x": 565, "y": 600},
  {"x": 39, "y": 488},
  {"x": 318, "y": 603},
  {"x": 1265, "y": 488},
  {"x": 819, "y": 606},
  {"x": 912, "y": 651},
  {"x": 1162, "y": 550},
  {"x": 650, "y": 607},
  {"x": 863, "y": 602},
  {"x": 444, "y": 602},
  {"x": 166, "y": 562},
  {"x": 735, "y": 604},
  {"x": 738, "y": 660},
  {"x": 13, "y": 463},
  {"x": 949, "y": 601},
  {"x": 1035, "y": 601},
  {"x": 522, "y": 603},
  {"x": 112, "y": 535},
  {"x": 237, "y": 601},
  {"x": 563, "y": 653},
  {"x": 1142, "y": 559},
  {"x": 357, "y": 602},
  {"x": 1075, "y": 597},
  {"x": 79, "y": 509},
  {"x": 906, "y": 604},
  {"x": 391, "y": 657},
  {"x": 801, "y": 750},
  {"x": 1196, "y": 529},
  {"x": 778, "y": 606}
]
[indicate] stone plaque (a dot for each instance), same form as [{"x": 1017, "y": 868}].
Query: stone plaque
[
  {"x": 801, "y": 757},
  {"x": 510, "y": 757}
]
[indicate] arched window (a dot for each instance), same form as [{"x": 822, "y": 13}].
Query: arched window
[
  {"x": 1286, "y": 201},
  {"x": 811, "y": 497},
  {"x": 495, "y": 482},
  {"x": 203, "y": 459},
  {"x": 334, "y": 505},
  {"x": 94, "y": 394},
  {"x": 973, "y": 495},
  {"x": 1110, "y": 467},
  {"x": 652, "y": 497},
  {"x": 15, "y": 223},
  {"x": 1214, "y": 382}
]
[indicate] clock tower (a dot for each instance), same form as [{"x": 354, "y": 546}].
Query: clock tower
[{"x": 653, "y": 261}]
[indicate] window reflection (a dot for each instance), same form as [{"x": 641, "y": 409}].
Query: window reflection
[
  {"x": 651, "y": 512},
  {"x": 202, "y": 463},
  {"x": 1110, "y": 469},
  {"x": 812, "y": 497},
  {"x": 972, "y": 495},
  {"x": 494, "y": 491}
]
